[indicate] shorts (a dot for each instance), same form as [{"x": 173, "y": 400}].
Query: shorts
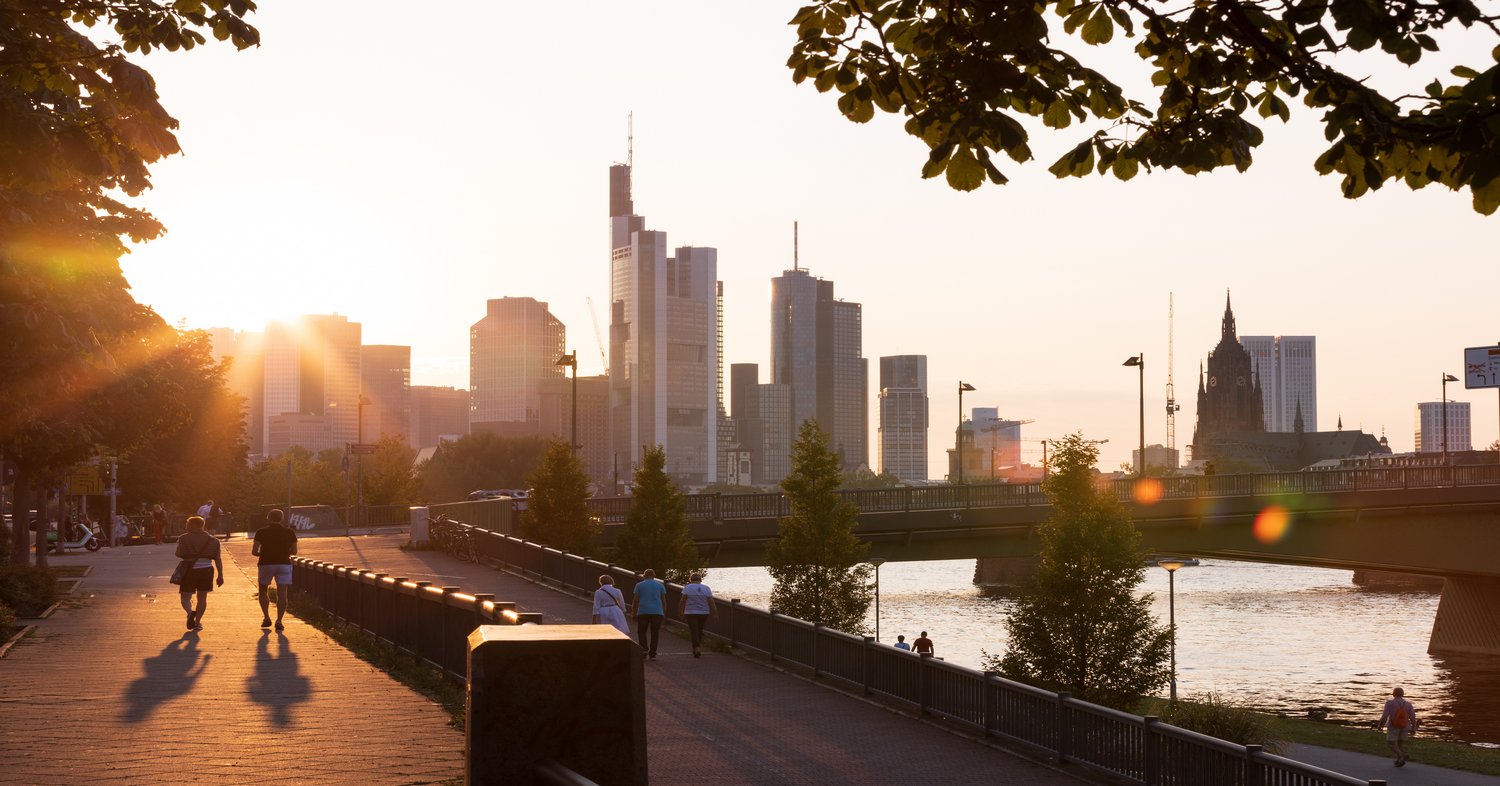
[
  {"x": 197, "y": 580},
  {"x": 282, "y": 574},
  {"x": 1393, "y": 734}
]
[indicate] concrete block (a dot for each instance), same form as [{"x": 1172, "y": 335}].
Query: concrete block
[{"x": 419, "y": 518}]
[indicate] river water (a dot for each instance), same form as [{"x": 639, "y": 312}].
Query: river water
[{"x": 1281, "y": 638}]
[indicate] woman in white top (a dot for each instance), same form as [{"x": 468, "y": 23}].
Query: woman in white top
[
  {"x": 609, "y": 605},
  {"x": 204, "y": 550}
]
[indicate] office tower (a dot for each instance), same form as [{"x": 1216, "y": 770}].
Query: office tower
[
  {"x": 665, "y": 346},
  {"x": 1429, "y": 437},
  {"x": 904, "y": 416},
  {"x": 512, "y": 351},
  {"x": 385, "y": 371},
  {"x": 437, "y": 413},
  {"x": 244, "y": 376},
  {"x": 772, "y": 404},
  {"x": 1287, "y": 369},
  {"x": 815, "y": 351},
  {"x": 312, "y": 383},
  {"x": 593, "y": 425}
]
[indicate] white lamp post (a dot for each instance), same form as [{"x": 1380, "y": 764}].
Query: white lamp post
[{"x": 1172, "y": 564}]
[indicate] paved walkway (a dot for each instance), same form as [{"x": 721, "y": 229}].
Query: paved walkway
[
  {"x": 1363, "y": 765},
  {"x": 726, "y": 720},
  {"x": 111, "y": 689}
]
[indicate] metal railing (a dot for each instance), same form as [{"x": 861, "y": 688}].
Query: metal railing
[
  {"x": 432, "y": 623},
  {"x": 1131, "y": 747},
  {"x": 723, "y": 507}
]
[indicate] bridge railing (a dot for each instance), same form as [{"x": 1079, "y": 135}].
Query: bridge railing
[
  {"x": 432, "y": 623},
  {"x": 1131, "y": 747}
]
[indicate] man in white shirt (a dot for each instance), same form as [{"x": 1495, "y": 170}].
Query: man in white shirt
[{"x": 696, "y": 607}]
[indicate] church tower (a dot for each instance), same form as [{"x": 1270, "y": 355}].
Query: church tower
[{"x": 1229, "y": 391}]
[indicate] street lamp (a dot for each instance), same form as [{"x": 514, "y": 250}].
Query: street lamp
[
  {"x": 877, "y": 562},
  {"x": 1446, "y": 379},
  {"x": 958, "y": 432},
  {"x": 571, "y": 360},
  {"x": 363, "y": 402},
  {"x": 1172, "y": 564},
  {"x": 1140, "y": 362}
]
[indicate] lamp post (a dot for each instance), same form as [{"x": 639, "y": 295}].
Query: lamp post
[
  {"x": 958, "y": 432},
  {"x": 877, "y": 562},
  {"x": 1172, "y": 564},
  {"x": 571, "y": 360},
  {"x": 363, "y": 402},
  {"x": 1446, "y": 379},
  {"x": 1140, "y": 362}
]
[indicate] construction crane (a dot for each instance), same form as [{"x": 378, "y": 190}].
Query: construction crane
[
  {"x": 1172, "y": 407},
  {"x": 598, "y": 337}
]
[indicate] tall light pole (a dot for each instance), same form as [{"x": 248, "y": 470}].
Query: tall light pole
[
  {"x": 571, "y": 360},
  {"x": 1172, "y": 564},
  {"x": 1446, "y": 379},
  {"x": 363, "y": 402},
  {"x": 1140, "y": 362},
  {"x": 958, "y": 432},
  {"x": 877, "y": 562}
]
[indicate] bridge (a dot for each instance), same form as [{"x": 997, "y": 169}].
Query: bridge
[{"x": 1438, "y": 521}]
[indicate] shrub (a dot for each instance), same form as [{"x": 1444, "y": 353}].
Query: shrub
[
  {"x": 1226, "y": 719},
  {"x": 27, "y": 588},
  {"x": 7, "y": 623}
]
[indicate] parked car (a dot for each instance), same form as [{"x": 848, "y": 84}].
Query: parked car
[{"x": 517, "y": 495}]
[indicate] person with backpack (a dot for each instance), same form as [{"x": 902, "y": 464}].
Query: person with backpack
[{"x": 1400, "y": 722}]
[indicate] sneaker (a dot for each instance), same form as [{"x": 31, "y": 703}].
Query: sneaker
[
  {"x": 265, "y": 622},
  {"x": 279, "y": 627},
  {"x": 190, "y": 620},
  {"x": 1401, "y": 762},
  {"x": 697, "y": 654},
  {"x": 652, "y": 656}
]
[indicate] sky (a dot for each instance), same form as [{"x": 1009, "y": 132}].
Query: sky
[{"x": 402, "y": 164}]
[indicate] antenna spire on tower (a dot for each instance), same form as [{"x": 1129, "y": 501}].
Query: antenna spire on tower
[
  {"x": 1172, "y": 406},
  {"x": 630, "y": 139},
  {"x": 796, "y": 260}
]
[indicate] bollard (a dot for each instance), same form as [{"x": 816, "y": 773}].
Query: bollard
[
  {"x": 419, "y": 522},
  {"x": 573, "y": 694}
]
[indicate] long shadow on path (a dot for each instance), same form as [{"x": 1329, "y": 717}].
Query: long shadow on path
[
  {"x": 277, "y": 682},
  {"x": 171, "y": 673}
]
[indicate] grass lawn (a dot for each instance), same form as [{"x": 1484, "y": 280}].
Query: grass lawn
[
  {"x": 1454, "y": 755},
  {"x": 68, "y": 571}
]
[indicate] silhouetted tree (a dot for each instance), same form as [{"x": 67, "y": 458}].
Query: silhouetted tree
[
  {"x": 390, "y": 477},
  {"x": 480, "y": 461},
  {"x": 816, "y": 560},
  {"x": 655, "y": 534},
  {"x": 557, "y": 511},
  {"x": 864, "y": 478},
  {"x": 1079, "y": 625}
]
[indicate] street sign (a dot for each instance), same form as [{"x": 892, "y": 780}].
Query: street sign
[
  {"x": 1482, "y": 367},
  {"x": 84, "y": 480},
  {"x": 115, "y": 492},
  {"x": 362, "y": 448}
]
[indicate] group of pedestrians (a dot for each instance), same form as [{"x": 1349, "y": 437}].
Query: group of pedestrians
[
  {"x": 202, "y": 555},
  {"x": 648, "y": 606},
  {"x": 922, "y": 646}
]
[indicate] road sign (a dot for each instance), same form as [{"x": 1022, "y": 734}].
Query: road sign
[
  {"x": 84, "y": 480},
  {"x": 362, "y": 448},
  {"x": 1482, "y": 367},
  {"x": 115, "y": 492}
]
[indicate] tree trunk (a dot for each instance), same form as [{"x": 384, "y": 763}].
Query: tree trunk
[
  {"x": 20, "y": 517},
  {"x": 41, "y": 530}
]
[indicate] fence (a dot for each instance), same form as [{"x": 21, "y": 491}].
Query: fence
[
  {"x": 432, "y": 623},
  {"x": 1137, "y": 749}
]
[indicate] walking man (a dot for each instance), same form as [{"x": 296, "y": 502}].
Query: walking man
[
  {"x": 275, "y": 544},
  {"x": 901, "y": 644},
  {"x": 923, "y": 646},
  {"x": 646, "y": 606},
  {"x": 203, "y": 549},
  {"x": 1399, "y": 721},
  {"x": 697, "y": 607}
]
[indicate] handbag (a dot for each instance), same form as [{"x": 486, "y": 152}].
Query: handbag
[{"x": 185, "y": 565}]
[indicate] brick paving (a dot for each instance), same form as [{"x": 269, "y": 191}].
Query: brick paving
[
  {"x": 112, "y": 690},
  {"x": 727, "y": 720}
]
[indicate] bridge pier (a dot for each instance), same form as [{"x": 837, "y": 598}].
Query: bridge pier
[
  {"x": 1468, "y": 617},
  {"x": 1399, "y": 582},
  {"x": 1004, "y": 571}
]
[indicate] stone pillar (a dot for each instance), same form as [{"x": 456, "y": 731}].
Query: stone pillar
[
  {"x": 1468, "y": 617},
  {"x": 1398, "y": 582},
  {"x": 570, "y": 694},
  {"x": 418, "y": 525},
  {"x": 1004, "y": 571}
]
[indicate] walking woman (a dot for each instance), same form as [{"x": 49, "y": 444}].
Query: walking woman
[
  {"x": 609, "y": 605},
  {"x": 203, "y": 549}
]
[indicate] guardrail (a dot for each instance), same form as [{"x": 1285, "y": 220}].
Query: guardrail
[
  {"x": 432, "y": 623},
  {"x": 1137, "y": 749}
]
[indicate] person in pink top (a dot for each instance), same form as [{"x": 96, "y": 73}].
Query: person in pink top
[{"x": 1400, "y": 721}]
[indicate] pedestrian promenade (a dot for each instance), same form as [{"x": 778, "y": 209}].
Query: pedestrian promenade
[{"x": 111, "y": 689}]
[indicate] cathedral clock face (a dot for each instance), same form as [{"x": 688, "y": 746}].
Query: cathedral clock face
[
  {"x": 1240, "y": 382},
  {"x": 1213, "y": 382}
]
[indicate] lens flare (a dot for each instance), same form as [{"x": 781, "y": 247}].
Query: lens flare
[
  {"x": 1148, "y": 491},
  {"x": 1271, "y": 524}
]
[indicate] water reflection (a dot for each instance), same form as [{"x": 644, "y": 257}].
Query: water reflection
[{"x": 1287, "y": 639}]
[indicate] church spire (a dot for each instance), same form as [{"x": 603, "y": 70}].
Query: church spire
[
  {"x": 1297, "y": 422},
  {"x": 1229, "y": 331}
]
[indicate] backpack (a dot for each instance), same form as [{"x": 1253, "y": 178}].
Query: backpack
[{"x": 1400, "y": 717}]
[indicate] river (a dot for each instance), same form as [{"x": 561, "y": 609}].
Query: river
[{"x": 1278, "y": 637}]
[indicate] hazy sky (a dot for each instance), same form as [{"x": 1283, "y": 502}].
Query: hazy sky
[{"x": 401, "y": 164}]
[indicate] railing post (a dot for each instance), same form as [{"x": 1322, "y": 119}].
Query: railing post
[
  {"x": 1152, "y": 751},
  {"x": 772, "y": 645},
  {"x": 443, "y": 637},
  {"x": 1064, "y": 727},
  {"x": 1255, "y": 771},
  {"x": 817, "y": 633},
  {"x": 734, "y": 607},
  {"x": 987, "y": 703},
  {"x": 481, "y": 598},
  {"x": 864, "y": 666},
  {"x": 924, "y": 682},
  {"x": 377, "y": 619}
]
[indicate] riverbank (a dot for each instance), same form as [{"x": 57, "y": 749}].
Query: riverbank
[{"x": 1368, "y": 740}]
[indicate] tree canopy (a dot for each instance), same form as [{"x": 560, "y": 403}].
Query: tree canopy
[
  {"x": 1079, "y": 625},
  {"x": 557, "y": 512},
  {"x": 965, "y": 73},
  {"x": 656, "y": 532},
  {"x": 480, "y": 461}
]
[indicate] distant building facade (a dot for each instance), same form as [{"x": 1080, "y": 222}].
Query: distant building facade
[
  {"x": 312, "y": 368},
  {"x": 385, "y": 371},
  {"x": 816, "y": 348},
  {"x": 513, "y": 352},
  {"x": 1158, "y": 457},
  {"x": 437, "y": 413},
  {"x": 1286, "y": 368},
  {"x": 904, "y": 417},
  {"x": 1429, "y": 432}
]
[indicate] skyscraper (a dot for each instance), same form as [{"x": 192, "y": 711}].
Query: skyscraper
[
  {"x": 437, "y": 412},
  {"x": 385, "y": 370},
  {"x": 665, "y": 346},
  {"x": 904, "y": 416},
  {"x": 815, "y": 351},
  {"x": 512, "y": 351},
  {"x": 1287, "y": 369},
  {"x": 1429, "y": 436},
  {"x": 312, "y": 383}
]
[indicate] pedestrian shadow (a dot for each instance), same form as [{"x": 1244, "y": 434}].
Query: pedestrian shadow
[
  {"x": 167, "y": 675},
  {"x": 277, "y": 681}
]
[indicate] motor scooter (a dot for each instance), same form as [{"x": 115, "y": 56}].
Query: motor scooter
[{"x": 86, "y": 538}]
